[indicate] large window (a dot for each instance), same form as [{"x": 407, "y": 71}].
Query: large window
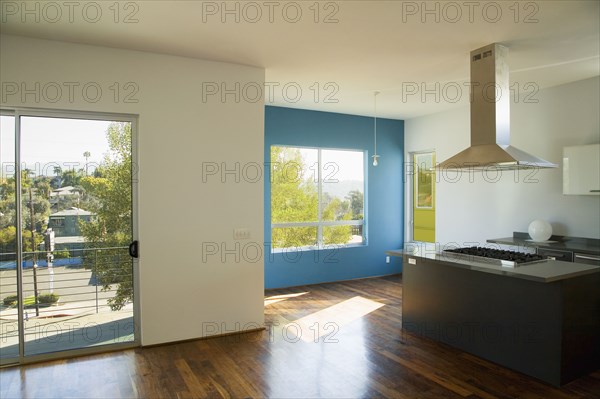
[{"x": 317, "y": 197}]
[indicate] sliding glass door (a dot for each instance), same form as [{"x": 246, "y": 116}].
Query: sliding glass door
[
  {"x": 9, "y": 279},
  {"x": 67, "y": 234}
]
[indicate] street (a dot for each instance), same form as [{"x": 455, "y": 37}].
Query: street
[{"x": 81, "y": 318}]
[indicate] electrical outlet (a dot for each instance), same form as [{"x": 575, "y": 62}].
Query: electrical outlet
[
  {"x": 387, "y": 259},
  {"x": 241, "y": 233}
]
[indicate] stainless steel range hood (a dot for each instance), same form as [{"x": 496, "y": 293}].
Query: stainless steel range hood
[{"x": 490, "y": 118}]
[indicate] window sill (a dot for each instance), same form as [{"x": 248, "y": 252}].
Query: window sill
[{"x": 332, "y": 247}]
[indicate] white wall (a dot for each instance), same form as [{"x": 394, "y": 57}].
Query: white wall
[
  {"x": 478, "y": 209},
  {"x": 177, "y": 211}
]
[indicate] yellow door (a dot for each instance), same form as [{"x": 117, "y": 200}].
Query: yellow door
[{"x": 424, "y": 197}]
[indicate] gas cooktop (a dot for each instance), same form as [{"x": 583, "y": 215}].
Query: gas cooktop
[{"x": 494, "y": 256}]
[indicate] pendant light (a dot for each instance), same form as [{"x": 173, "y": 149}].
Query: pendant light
[{"x": 375, "y": 156}]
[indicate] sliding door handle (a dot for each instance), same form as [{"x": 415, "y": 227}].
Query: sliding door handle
[{"x": 134, "y": 250}]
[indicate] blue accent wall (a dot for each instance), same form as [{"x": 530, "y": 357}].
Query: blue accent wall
[{"x": 384, "y": 198}]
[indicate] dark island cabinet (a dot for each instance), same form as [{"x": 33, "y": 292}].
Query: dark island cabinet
[{"x": 548, "y": 330}]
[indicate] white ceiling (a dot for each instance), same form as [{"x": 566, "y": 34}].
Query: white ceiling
[{"x": 374, "y": 45}]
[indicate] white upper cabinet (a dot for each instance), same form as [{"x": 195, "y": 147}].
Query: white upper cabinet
[{"x": 581, "y": 170}]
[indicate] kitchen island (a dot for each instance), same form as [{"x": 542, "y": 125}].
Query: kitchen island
[{"x": 542, "y": 319}]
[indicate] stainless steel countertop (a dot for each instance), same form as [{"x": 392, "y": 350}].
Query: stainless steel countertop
[
  {"x": 546, "y": 271},
  {"x": 573, "y": 244}
]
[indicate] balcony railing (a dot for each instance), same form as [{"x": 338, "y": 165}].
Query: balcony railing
[{"x": 81, "y": 284}]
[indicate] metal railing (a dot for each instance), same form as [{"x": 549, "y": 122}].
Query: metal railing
[
  {"x": 357, "y": 230},
  {"x": 79, "y": 284}
]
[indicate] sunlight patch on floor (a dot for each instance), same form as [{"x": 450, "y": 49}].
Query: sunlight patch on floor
[
  {"x": 278, "y": 298},
  {"x": 329, "y": 321}
]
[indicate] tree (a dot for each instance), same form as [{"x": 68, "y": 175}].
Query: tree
[
  {"x": 112, "y": 226},
  {"x": 33, "y": 224},
  {"x": 41, "y": 205},
  {"x": 66, "y": 202},
  {"x": 8, "y": 242},
  {"x": 42, "y": 186},
  {"x": 8, "y": 231},
  {"x": 71, "y": 177},
  {"x": 337, "y": 210},
  {"x": 357, "y": 201},
  {"x": 56, "y": 181},
  {"x": 294, "y": 198}
]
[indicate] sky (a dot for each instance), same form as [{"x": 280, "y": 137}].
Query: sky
[
  {"x": 49, "y": 142},
  {"x": 337, "y": 165}
]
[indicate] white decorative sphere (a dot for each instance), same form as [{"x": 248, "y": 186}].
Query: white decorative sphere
[{"x": 540, "y": 230}]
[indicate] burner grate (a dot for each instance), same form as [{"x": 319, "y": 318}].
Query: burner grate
[{"x": 510, "y": 257}]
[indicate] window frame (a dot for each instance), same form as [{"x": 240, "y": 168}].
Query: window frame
[
  {"x": 56, "y": 219},
  {"x": 17, "y": 112},
  {"x": 320, "y": 224},
  {"x": 417, "y": 181}
]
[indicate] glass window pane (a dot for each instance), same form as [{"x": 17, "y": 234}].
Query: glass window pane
[
  {"x": 423, "y": 183},
  {"x": 342, "y": 235},
  {"x": 294, "y": 192},
  {"x": 77, "y": 189},
  {"x": 300, "y": 178},
  {"x": 342, "y": 173},
  {"x": 287, "y": 237}
]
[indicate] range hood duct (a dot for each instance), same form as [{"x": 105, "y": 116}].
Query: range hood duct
[{"x": 490, "y": 118}]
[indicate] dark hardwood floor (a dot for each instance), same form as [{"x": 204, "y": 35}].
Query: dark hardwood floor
[{"x": 361, "y": 353}]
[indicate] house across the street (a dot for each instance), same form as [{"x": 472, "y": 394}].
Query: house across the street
[{"x": 65, "y": 225}]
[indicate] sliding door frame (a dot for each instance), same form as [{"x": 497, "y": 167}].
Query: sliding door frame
[{"x": 17, "y": 113}]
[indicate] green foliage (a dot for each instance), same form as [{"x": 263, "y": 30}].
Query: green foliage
[
  {"x": 357, "y": 201},
  {"x": 42, "y": 187},
  {"x": 66, "y": 202},
  {"x": 337, "y": 235},
  {"x": 47, "y": 299},
  {"x": 43, "y": 300},
  {"x": 62, "y": 254},
  {"x": 10, "y": 300},
  {"x": 294, "y": 198},
  {"x": 112, "y": 227},
  {"x": 34, "y": 192},
  {"x": 337, "y": 210},
  {"x": 71, "y": 177},
  {"x": 7, "y": 189},
  {"x": 41, "y": 205},
  {"x": 8, "y": 242}
]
